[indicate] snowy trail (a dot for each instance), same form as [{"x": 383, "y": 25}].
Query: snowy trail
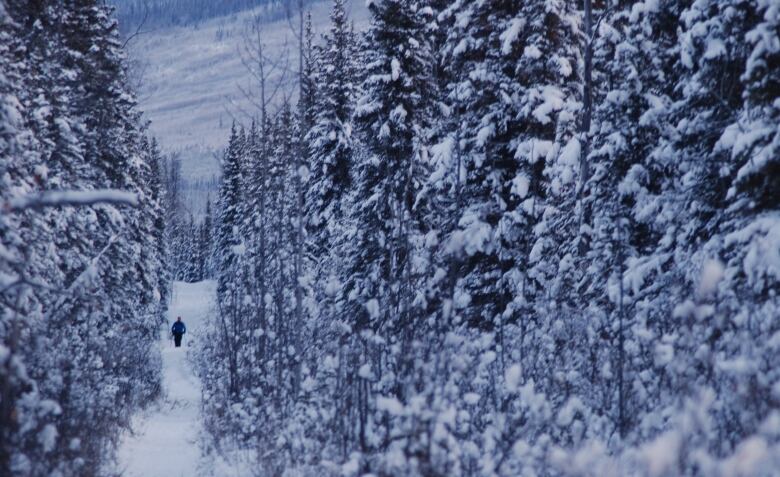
[{"x": 165, "y": 440}]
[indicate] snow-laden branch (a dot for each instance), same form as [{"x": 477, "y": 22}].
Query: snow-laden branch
[
  {"x": 77, "y": 285},
  {"x": 60, "y": 198}
]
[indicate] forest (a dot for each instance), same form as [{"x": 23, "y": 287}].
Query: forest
[
  {"x": 507, "y": 238},
  {"x": 483, "y": 238},
  {"x": 83, "y": 273}
]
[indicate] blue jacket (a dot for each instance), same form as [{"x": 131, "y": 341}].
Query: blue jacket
[{"x": 178, "y": 328}]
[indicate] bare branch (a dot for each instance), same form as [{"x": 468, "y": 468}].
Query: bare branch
[
  {"x": 238, "y": 107},
  {"x": 73, "y": 290},
  {"x": 140, "y": 25},
  {"x": 261, "y": 68}
]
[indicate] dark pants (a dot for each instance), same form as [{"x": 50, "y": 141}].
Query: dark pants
[{"x": 177, "y": 339}]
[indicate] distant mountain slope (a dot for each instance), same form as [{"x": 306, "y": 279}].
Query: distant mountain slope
[
  {"x": 166, "y": 13},
  {"x": 192, "y": 78}
]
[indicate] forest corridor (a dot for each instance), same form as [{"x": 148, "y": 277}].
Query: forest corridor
[
  {"x": 462, "y": 238},
  {"x": 164, "y": 440}
]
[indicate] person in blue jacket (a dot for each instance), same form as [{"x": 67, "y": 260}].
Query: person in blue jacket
[{"x": 178, "y": 331}]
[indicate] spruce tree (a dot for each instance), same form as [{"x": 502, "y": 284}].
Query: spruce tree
[
  {"x": 330, "y": 139},
  {"x": 726, "y": 153},
  {"x": 205, "y": 233},
  {"x": 636, "y": 53},
  {"x": 392, "y": 116},
  {"x": 229, "y": 251}
]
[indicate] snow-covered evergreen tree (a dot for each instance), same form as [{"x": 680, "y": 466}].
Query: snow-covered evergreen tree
[
  {"x": 206, "y": 234},
  {"x": 392, "y": 116},
  {"x": 330, "y": 139},
  {"x": 636, "y": 53},
  {"x": 727, "y": 158}
]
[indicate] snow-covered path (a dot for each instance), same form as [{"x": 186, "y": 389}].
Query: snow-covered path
[{"x": 164, "y": 444}]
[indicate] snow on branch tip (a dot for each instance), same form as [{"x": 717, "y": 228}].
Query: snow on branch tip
[{"x": 63, "y": 198}]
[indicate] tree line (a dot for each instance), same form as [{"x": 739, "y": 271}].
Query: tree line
[
  {"x": 507, "y": 238},
  {"x": 188, "y": 232}
]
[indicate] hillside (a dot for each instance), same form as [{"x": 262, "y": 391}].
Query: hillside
[
  {"x": 192, "y": 76},
  {"x": 154, "y": 14}
]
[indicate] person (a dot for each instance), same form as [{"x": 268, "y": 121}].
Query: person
[{"x": 178, "y": 331}]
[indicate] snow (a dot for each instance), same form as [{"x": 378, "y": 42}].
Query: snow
[
  {"x": 570, "y": 155},
  {"x": 41, "y": 171},
  {"x": 461, "y": 299},
  {"x": 512, "y": 377},
  {"x": 488, "y": 357},
  {"x": 569, "y": 411},
  {"x": 333, "y": 286},
  {"x": 552, "y": 101},
  {"x": 509, "y": 36},
  {"x": 762, "y": 239},
  {"x": 531, "y": 51},
  {"x": 48, "y": 437},
  {"x": 441, "y": 158},
  {"x": 564, "y": 67},
  {"x": 192, "y": 78},
  {"x": 352, "y": 466},
  {"x": 536, "y": 251},
  {"x": 395, "y": 68},
  {"x": 240, "y": 249},
  {"x": 737, "y": 366},
  {"x": 304, "y": 174},
  {"x": 485, "y": 133},
  {"x": 471, "y": 398},
  {"x": 640, "y": 8},
  {"x": 398, "y": 114},
  {"x": 164, "y": 443},
  {"x": 748, "y": 458},
  {"x": 372, "y": 306},
  {"x": 756, "y": 134},
  {"x": 57, "y": 198},
  {"x": 715, "y": 48},
  {"x": 365, "y": 372},
  {"x": 390, "y": 405},
  {"x": 475, "y": 236},
  {"x": 521, "y": 448},
  {"x": 711, "y": 274},
  {"x": 664, "y": 354},
  {"x": 520, "y": 185},
  {"x": 661, "y": 454},
  {"x": 533, "y": 150},
  {"x": 639, "y": 269},
  {"x": 461, "y": 48}
]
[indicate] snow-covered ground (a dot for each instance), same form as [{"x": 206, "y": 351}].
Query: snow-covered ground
[
  {"x": 191, "y": 79},
  {"x": 165, "y": 440}
]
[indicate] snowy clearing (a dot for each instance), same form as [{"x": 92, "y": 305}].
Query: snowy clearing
[{"x": 165, "y": 441}]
